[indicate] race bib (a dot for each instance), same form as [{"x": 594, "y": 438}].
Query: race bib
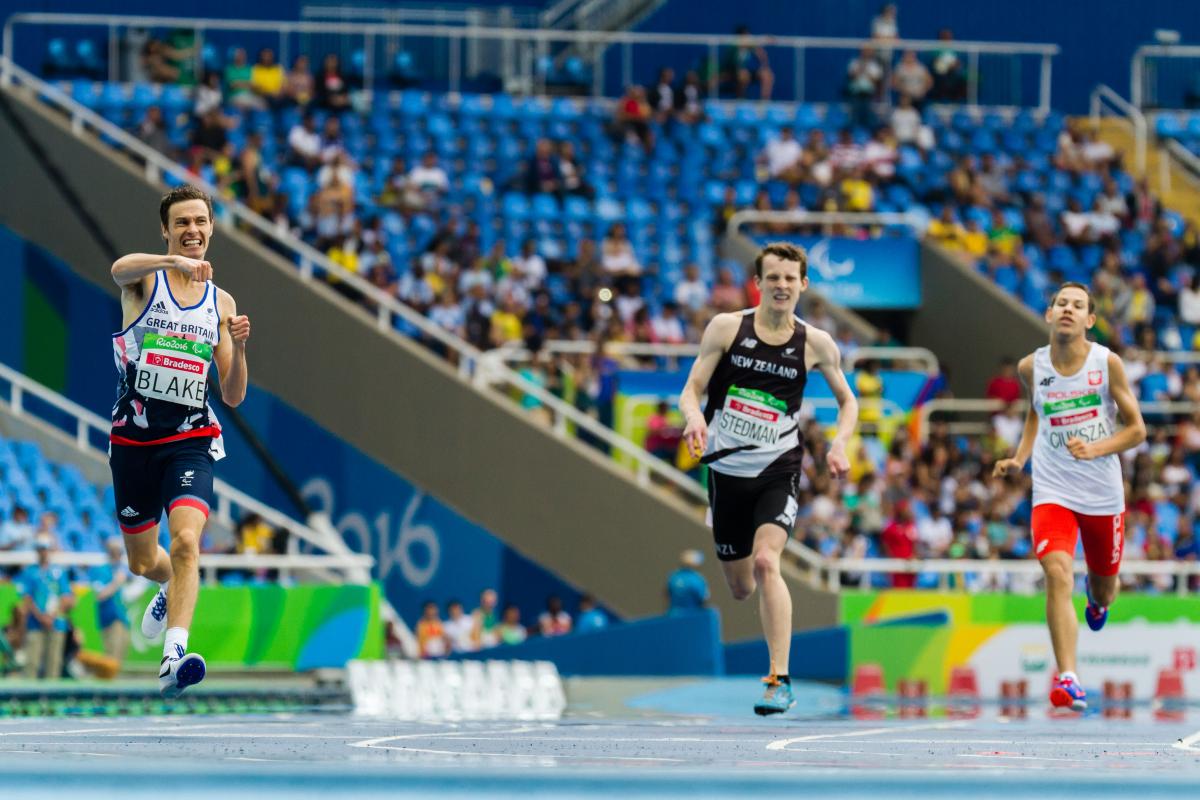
[
  {"x": 174, "y": 370},
  {"x": 1075, "y": 418},
  {"x": 753, "y": 417}
]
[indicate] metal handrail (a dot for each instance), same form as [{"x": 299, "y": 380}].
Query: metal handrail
[
  {"x": 917, "y": 222},
  {"x": 1137, "y": 65},
  {"x": 472, "y": 370},
  {"x": 1137, "y": 120},
  {"x": 833, "y": 568},
  {"x": 227, "y": 496},
  {"x": 574, "y": 346},
  {"x": 542, "y": 37},
  {"x": 1191, "y": 166}
]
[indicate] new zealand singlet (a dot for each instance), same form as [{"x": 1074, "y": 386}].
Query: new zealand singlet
[
  {"x": 753, "y": 409},
  {"x": 1075, "y": 406},
  {"x": 162, "y": 363}
]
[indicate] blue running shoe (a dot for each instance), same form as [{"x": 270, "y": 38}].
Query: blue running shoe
[
  {"x": 1095, "y": 615},
  {"x": 177, "y": 674},
  {"x": 154, "y": 620},
  {"x": 776, "y": 699},
  {"x": 1067, "y": 693}
]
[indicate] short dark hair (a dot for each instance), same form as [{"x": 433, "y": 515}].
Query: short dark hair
[
  {"x": 783, "y": 250},
  {"x": 178, "y": 195},
  {"x": 1076, "y": 285}
]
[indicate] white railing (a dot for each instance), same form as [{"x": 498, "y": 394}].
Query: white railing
[
  {"x": 917, "y": 222},
  {"x": 537, "y": 40},
  {"x": 1191, "y": 167},
  {"x": 471, "y": 367},
  {"x": 1137, "y": 121},
  {"x": 1143, "y": 73},
  {"x": 516, "y": 353},
  {"x": 981, "y": 406},
  {"x": 211, "y": 562},
  {"x": 830, "y": 570},
  {"x": 229, "y": 499}
]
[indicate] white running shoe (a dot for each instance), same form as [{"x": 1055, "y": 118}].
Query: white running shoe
[
  {"x": 154, "y": 620},
  {"x": 177, "y": 674}
]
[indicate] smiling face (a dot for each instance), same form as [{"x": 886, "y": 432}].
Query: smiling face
[
  {"x": 781, "y": 283},
  {"x": 188, "y": 229},
  {"x": 1070, "y": 314}
]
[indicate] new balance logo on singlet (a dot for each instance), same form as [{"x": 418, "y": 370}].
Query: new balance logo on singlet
[{"x": 749, "y": 343}]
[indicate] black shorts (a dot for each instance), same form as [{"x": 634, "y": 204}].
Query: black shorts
[
  {"x": 739, "y": 506},
  {"x": 150, "y": 479}
]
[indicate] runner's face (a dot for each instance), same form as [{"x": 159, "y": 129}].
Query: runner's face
[
  {"x": 1068, "y": 315},
  {"x": 781, "y": 284},
  {"x": 189, "y": 229}
]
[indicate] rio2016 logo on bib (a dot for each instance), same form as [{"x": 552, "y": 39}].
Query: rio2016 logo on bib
[{"x": 175, "y": 370}]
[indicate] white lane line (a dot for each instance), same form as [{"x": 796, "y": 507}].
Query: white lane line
[
  {"x": 98, "y": 755},
  {"x": 23, "y": 752},
  {"x": 782, "y": 744},
  {"x": 382, "y": 739},
  {"x": 269, "y": 760},
  {"x": 1189, "y": 743},
  {"x": 1015, "y": 758},
  {"x": 532, "y": 756}
]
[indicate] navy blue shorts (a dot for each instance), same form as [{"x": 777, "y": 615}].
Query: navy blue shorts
[{"x": 150, "y": 479}]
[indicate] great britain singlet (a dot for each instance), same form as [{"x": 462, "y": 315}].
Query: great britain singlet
[
  {"x": 753, "y": 409},
  {"x": 1075, "y": 406},
  {"x": 162, "y": 363}
]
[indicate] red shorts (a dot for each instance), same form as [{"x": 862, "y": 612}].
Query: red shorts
[{"x": 1056, "y": 528}]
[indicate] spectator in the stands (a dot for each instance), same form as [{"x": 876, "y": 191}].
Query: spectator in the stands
[
  {"x": 506, "y": 322},
  {"x": 267, "y": 78},
  {"x": 304, "y": 143},
  {"x": 210, "y": 138},
  {"x": 332, "y": 90},
  {"x": 571, "y": 173},
  {"x": 868, "y": 384},
  {"x": 906, "y": 123},
  {"x": 935, "y": 532},
  {"x": 554, "y": 621},
  {"x": 152, "y": 131},
  {"x": 590, "y": 618},
  {"x": 880, "y": 154},
  {"x": 486, "y": 620},
  {"x": 1075, "y": 224},
  {"x": 108, "y": 580},
  {"x": 300, "y": 88},
  {"x": 252, "y": 178},
  {"x": 899, "y": 538},
  {"x": 668, "y": 327},
  {"x": 857, "y": 192},
  {"x": 945, "y": 230},
  {"x": 1004, "y": 385},
  {"x": 1189, "y": 301},
  {"x": 744, "y": 64},
  {"x": 632, "y": 117},
  {"x": 864, "y": 77},
  {"x": 541, "y": 173},
  {"x": 47, "y": 602},
  {"x": 1039, "y": 228},
  {"x": 16, "y": 534},
  {"x": 458, "y": 627},
  {"x": 949, "y": 73},
  {"x": 238, "y": 86},
  {"x": 1141, "y": 302},
  {"x": 662, "y": 96},
  {"x": 431, "y": 632},
  {"x": 1143, "y": 205},
  {"x": 885, "y": 27},
  {"x": 911, "y": 79},
  {"x": 846, "y": 154},
  {"x": 617, "y": 255},
  {"x": 208, "y": 96},
  {"x": 691, "y": 294},
  {"x": 157, "y": 62},
  {"x": 687, "y": 590},
  {"x": 429, "y": 180},
  {"x": 690, "y": 99},
  {"x": 510, "y": 630},
  {"x": 727, "y": 295},
  {"x": 338, "y": 165},
  {"x": 782, "y": 155},
  {"x": 530, "y": 265}
]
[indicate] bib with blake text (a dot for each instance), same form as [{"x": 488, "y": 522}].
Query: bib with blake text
[{"x": 175, "y": 370}]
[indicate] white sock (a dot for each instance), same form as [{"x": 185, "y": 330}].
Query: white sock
[
  {"x": 176, "y": 644},
  {"x": 1062, "y": 676}
]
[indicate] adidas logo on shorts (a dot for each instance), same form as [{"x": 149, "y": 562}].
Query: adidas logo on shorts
[
  {"x": 160, "y": 307},
  {"x": 128, "y": 512}
]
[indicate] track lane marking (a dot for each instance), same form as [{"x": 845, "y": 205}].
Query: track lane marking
[{"x": 782, "y": 744}]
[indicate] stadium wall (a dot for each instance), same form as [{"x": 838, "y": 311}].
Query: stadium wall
[
  {"x": 970, "y": 322},
  {"x": 556, "y": 502}
]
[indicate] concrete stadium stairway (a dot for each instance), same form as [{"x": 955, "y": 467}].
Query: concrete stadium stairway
[{"x": 1180, "y": 192}]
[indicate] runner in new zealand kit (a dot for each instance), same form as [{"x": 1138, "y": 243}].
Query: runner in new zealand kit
[
  {"x": 1076, "y": 388},
  {"x": 753, "y": 367},
  {"x": 165, "y": 436}
]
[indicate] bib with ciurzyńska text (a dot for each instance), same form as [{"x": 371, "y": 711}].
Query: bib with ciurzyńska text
[
  {"x": 753, "y": 417},
  {"x": 175, "y": 370}
]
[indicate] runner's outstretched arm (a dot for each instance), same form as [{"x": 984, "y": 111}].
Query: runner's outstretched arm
[
  {"x": 829, "y": 362},
  {"x": 1134, "y": 432},
  {"x": 1029, "y": 434},
  {"x": 135, "y": 267}
]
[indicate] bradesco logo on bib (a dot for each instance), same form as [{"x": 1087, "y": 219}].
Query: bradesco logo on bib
[
  {"x": 174, "y": 370},
  {"x": 1075, "y": 417},
  {"x": 752, "y": 416}
]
